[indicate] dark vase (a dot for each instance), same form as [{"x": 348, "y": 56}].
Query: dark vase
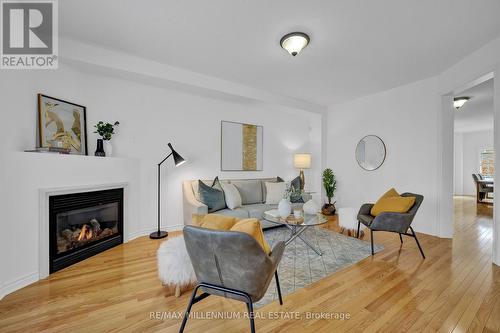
[
  {"x": 100, "y": 149},
  {"x": 328, "y": 209}
]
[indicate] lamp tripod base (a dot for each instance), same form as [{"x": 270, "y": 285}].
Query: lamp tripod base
[{"x": 158, "y": 234}]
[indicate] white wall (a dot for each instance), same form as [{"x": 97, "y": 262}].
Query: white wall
[
  {"x": 405, "y": 119},
  {"x": 469, "y": 148},
  {"x": 150, "y": 117},
  {"x": 458, "y": 163}
]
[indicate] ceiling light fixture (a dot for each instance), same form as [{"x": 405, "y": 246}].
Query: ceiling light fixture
[
  {"x": 458, "y": 102},
  {"x": 294, "y": 42}
]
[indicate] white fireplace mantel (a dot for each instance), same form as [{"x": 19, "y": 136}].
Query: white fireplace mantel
[{"x": 30, "y": 179}]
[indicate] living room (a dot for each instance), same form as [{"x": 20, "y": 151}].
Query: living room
[{"x": 175, "y": 73}]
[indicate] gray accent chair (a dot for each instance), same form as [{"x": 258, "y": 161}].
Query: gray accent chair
[
  {"x": 230, "y": 264},
  {"x": 391, "y": 222},
  {"x": 482, "y": 190}
]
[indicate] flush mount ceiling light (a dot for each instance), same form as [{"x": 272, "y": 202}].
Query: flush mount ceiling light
[
  {"x": 458, "y": 102},
  {"x": 294, "y": 42}
]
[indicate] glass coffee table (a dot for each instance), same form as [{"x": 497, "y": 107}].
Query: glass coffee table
[{"x": 297, "y": 227}]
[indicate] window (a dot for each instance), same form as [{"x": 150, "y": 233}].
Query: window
[{"x": 487, "y": 167}]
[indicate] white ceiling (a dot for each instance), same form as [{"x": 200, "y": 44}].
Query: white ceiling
[
  {"x": 477, "y": 113},
  {"x": 357, "y": 47}
]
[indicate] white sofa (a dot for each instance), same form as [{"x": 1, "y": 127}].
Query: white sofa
[{"x": 253, "y": 195}]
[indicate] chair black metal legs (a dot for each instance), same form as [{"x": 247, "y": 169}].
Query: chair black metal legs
[
  {"x": 195, "y": 299},
  {"x": 192, "y": 301},
  {"x": 418, "y": 244},
  {"x": 278, "y": 287},
  {"x": 357, "y": 234},
  {"x": 401, "y": 238}
]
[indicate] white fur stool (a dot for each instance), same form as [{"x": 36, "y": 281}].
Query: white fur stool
[
  {"x": 174, "y": 265},
  {"x": 348, "y": 222}
]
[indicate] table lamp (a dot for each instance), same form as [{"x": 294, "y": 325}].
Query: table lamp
[{"x": 301, "y": 162}]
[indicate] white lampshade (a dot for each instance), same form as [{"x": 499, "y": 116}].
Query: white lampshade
[{"x": 302, "y": 161}]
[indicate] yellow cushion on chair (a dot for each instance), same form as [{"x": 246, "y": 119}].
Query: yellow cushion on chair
[
  {"x": 252, "y": 227},
  {"x": 217, "y": 222},
  {"x": 392, "y": 202},
  {"x": 391, "y": 193}
]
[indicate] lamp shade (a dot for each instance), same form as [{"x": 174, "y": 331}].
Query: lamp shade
[
  {"x": 302, "y": 161},
  {"x": 178, "y": 160}
]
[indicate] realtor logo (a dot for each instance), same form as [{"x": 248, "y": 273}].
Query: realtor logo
[{"x": 29, "y": 34}]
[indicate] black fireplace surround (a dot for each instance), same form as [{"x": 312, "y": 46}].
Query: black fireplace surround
[{"x": 84, "y": 224}]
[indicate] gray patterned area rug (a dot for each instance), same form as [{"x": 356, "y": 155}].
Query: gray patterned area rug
[{"x": 301, "y": 266}]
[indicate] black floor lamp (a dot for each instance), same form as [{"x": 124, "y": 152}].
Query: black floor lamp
[{"x": 178, "y": 160}]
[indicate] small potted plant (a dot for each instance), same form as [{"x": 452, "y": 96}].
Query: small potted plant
[
  {"x": 106, "y": 131},
  {"x": 330, "y": 185}
]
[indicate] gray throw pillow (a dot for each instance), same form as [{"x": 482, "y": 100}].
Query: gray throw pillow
[
  {"x": 296, "y": 196},
  {"x": 212, "y": 196}
]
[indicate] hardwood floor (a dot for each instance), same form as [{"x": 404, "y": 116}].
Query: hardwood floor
[{"x": 455, "y": 289}]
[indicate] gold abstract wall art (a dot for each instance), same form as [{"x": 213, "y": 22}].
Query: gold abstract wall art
[
  {"x": 62, "y": 124},
  {"x": 241, "y": 147}
]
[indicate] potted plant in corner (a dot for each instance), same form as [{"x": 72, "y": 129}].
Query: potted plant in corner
[
  {"x": 106, "y": 131},
  {"x": 330, "y": 184}
]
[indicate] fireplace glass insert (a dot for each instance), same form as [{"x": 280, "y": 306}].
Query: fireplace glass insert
[{"x": 84, "y": 224}]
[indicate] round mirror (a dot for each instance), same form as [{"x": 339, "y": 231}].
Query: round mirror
[{"x": 370, "y": 152}]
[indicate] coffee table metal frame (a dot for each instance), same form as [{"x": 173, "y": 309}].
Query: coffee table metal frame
[{"x": 298, "y": 229}]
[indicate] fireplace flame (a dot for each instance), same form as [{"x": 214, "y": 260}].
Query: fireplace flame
[{"x": 86, "y": 233}]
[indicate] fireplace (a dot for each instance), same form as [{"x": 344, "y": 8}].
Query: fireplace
[{"x": 83, "y": 224}]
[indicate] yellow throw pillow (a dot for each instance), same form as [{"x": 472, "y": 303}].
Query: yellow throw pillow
[
  {"x": 391, "y": 193},
  {"x": 217, "y": 222},
  {"x": 393, "y": 204},
  {"x": 252, "y": 227}
]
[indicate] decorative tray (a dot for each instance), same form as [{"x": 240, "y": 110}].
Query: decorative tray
[{"x": 292, "y": 220}]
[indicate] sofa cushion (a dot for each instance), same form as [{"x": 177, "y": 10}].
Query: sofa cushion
[
  {"x": 296, "y": 195},
  {"x": 270, "y": 180},
  {"x": 212, "y": 196},
  {"x": 232, "y": 196},
  {"x": 275, "y": 192},
  {"x": 238, "y": 213},
  {"x": 250, "y": 190},
  {"x": 256, "y": 210}
]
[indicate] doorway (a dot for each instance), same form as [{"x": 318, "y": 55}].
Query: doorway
[{"x": 457, "y": 178}]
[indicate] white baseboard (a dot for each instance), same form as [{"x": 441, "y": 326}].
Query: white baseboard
[{"x": 13, "y": 285}]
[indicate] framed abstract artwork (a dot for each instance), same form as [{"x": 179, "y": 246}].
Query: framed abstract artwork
[
  {"x": 241, "y": 147},
  {"x": 62, "y": 124}
]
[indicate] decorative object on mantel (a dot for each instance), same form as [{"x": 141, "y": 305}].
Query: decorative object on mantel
[
  {"x": 301, "y": 162},
  {"x": 241, "y": 147},
  {"x": 330, "y": 184},
  {"x": 174, "y": 266},
  {"x": 178, "y": 160},
  {"x": 99, "y": 151},
  {"x": 106, "y": 131},
  {"x": 62, "y": 124}
]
